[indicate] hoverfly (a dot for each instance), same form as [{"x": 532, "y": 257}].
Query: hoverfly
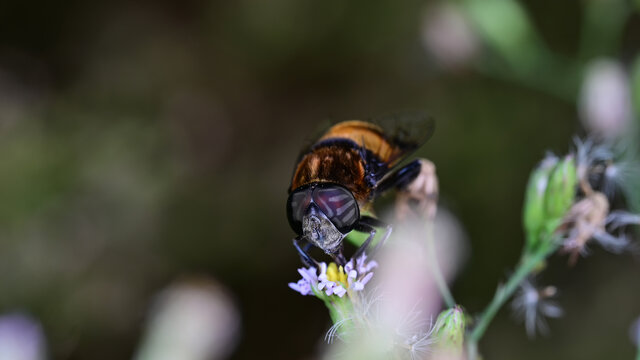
[{"x": 337, "y": 178}]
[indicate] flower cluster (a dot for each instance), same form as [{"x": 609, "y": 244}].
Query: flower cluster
[
  {"x": 567, "y": 207},
  {"x": 591, "y": 218},
  {"x": 334, "y": 279},
  {"x": 568, "y": 202}
]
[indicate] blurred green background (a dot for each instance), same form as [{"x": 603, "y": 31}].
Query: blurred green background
[{"x": 141, "y": 142}]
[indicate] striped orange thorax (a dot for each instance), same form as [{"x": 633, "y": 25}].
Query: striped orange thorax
[{"x": 334, "y": 162}]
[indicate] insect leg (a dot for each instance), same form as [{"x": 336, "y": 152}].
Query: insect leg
[
  {"x": 399, "y": 178},
  {"x": 379, "y": 224},
  {"x": 339, "y": 258},
  {"x": 304, "y": 255},
  {"x": 369, "y": 224},
  {"x": 371, "y": 221}
]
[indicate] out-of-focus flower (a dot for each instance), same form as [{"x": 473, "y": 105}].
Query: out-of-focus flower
[
  {"x": 194, "y": 320},
  {"x": 590, "y": 217},
  {"x": 611, "y": 167},
  {"x": 447, "y": 35},
  {"x": 619, "y": 219},
  {"x": 21, "y": 338},
  {"x": 394, "y": 319},
  {"x": 605, "y": 100},
  {"x": 634, "y": 332},
  {"x": 585, "y": 220},
  {"x": 534, "y": 305}
]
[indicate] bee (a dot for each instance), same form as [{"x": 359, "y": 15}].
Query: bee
[{"x": 339, "y": 176}]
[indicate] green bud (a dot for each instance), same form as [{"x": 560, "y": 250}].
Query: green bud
[
  {"x": 534, "y": 215},
  {"x": 561, "y": 191},
  {"x": 550, "y": 194},
  {"x": 450, "y": 327}
]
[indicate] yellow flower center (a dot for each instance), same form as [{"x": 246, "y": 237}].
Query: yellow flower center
[{"x": 336, "y": 274}]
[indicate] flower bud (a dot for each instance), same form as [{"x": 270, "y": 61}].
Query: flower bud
[
  {"x": 561, "y": 190},
  {"x": 605, "y": 105},
  {"x": 550, "y": 193},
  {"x": 449, "y": 329},
  {"x": 447, "y": 35},
  {"x": 534, "y": 207}
]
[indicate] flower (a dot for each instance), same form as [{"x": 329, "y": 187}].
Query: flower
[
  {"x": 305, "y": 285},
  {"x": 447, "y": 35},
  {"x": 359, "y": 274},
  {"x": 611, "y": 167},
  {"x": 334, "y": 279},
  {"x": 590, "y": 218},
  {"x": 534, "y": 305},
  {"x": 192, "y": 319},
  {"x": 21, "y": 337},
  {"x": 634, "y": 332},
  {"x": 605, "y": 101}
]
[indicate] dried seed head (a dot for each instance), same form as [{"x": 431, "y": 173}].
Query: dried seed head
[{"x": 533, "y": 306}]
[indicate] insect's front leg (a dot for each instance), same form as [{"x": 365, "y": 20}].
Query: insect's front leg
[
  {"x": 339, "y": 258},
  {"x": 303, "y": 252},
  {"x": 369, "y": 224}
]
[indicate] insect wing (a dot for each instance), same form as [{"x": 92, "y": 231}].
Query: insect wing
[{"x": 408, "y": 131}]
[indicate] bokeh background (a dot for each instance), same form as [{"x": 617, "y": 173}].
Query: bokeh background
[{"x": 148, "y": 145}]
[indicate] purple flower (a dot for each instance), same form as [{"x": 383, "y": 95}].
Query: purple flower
[
  {"x": 329, "y": 286},
  {"x": 358, "y": 275},
  {"x": 21, "y": 338},
  {"x": 334, "y": 280},
  {"x": 305, "y": 285}
]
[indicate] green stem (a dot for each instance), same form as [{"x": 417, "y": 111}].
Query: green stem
[
  {"x": 435, "y": 269},
  {"x": 528, "y": 264}
]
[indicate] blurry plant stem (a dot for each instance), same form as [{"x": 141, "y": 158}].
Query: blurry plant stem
[
  {"x": 528, "y": 264},
  {"x": 603, "y": 23},
  {"x": 564, "y": 87},
  {"x": 435, "y": 268}
]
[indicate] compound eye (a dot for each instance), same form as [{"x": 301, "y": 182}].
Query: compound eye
[
  {"x": 339, "y": 205},
  {"x": 297, "y": 204}
]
